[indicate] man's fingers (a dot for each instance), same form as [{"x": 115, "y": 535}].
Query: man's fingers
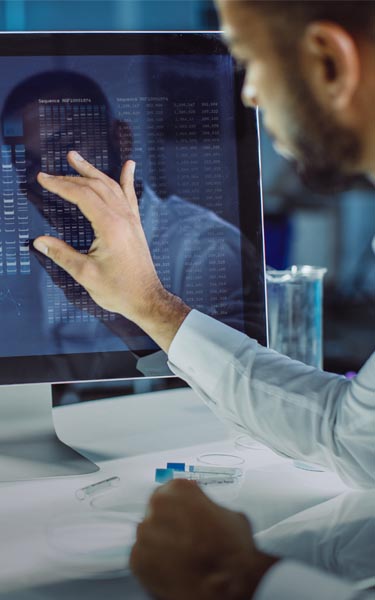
[
  {"x": 127, "y": 185},
  {"x": 88, "y": 200},
  {"x": 63, "y": 255},
  {"x": 86, "y": 169},
  {"x": 99, "y": 186}
]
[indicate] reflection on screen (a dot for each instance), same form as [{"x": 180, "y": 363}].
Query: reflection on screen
[{"x": 175, "y": 117}]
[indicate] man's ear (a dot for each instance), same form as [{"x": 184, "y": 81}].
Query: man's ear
[{"x": 331, "y": 64}]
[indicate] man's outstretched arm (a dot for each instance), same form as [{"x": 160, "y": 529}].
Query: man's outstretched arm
[{"x": 297, "y": 410}]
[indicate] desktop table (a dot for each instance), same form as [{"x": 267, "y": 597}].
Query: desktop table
[{"x": 129, "y": 437}]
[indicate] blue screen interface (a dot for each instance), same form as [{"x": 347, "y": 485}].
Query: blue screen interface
[{"x": 175, "y": 116}]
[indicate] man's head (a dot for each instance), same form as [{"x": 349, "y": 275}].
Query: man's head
[{"x": 310, "y": 67}]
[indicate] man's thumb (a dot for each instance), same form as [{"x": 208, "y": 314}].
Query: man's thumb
[{"x": 62, "y": 254}]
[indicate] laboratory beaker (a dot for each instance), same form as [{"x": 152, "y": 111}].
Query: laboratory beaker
[{"x": 295, "y": 298}]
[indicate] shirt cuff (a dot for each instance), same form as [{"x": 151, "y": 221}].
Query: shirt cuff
[
  {"x": 202, "y": 348},
  {"x": 289, "y": 580}
]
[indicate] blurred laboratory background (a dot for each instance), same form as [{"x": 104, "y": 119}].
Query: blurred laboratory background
[{"x": 302, "y": 227}]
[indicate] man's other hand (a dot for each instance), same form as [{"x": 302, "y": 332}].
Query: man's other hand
[{"x": 188, "y": 548}]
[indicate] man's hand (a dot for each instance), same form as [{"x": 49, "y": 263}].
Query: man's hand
[
  {"x": 188, "y": 548},
  {"x": 118, "y": 271}
]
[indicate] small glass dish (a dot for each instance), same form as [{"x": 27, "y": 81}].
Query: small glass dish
[
  {"x": 220, "y": 459},
  {"x": 223, "y": 493}
]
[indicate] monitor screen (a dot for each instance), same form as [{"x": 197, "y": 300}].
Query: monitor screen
[{"x": 169, "y": 101}]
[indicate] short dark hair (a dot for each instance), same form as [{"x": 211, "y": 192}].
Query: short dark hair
[{"x": 291, "y": 16}]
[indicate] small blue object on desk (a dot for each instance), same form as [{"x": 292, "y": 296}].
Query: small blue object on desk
[
  {"x": 176, "y": 466},
  {"x": 164, "y": 475},
  {"x": 183, "y": 468}
]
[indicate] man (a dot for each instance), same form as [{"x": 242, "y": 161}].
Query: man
[{"x": 310, "y": 67}]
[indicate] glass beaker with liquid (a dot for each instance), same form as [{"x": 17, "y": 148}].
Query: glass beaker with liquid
[{"x": 295, "y": 298}]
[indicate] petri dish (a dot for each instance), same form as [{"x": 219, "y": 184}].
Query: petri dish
[
  {"x": 223, "y": 493},
  {"x": 98, "y": 543},
  {"x": 220, "y": 459}
]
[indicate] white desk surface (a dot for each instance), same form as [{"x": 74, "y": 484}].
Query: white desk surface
[{"x": 130, "y": 437}]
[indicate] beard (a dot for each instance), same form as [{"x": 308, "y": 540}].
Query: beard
[{"x": 326, "y": 152}]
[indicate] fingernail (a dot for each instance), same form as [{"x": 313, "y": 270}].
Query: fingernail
[
  {"x": 133, "y": 165},
  {"x": 77, "y": 156},
  {"x": 44, "y": 175},
  {"x": 40, "y": 247}
]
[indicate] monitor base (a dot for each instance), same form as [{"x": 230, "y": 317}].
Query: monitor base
[{"x": 29, "y": 446}]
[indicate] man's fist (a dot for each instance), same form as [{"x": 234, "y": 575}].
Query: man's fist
[{"x": 189, "y": 548}]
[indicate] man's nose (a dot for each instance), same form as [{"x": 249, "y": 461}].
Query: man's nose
[{"x": 249, "y": 95}]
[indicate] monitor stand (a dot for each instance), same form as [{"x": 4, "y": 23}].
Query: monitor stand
[{"x": 29, "y": 446}]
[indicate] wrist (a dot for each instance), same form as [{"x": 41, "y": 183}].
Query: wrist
[{"x": 161, "y": 315}]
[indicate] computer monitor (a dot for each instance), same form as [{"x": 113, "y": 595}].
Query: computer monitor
[{"x": 171, "y": 101}]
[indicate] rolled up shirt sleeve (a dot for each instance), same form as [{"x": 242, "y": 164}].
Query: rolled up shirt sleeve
[
  {"x": 289, "y": 580},
  {"x": 297, "y": 410}
]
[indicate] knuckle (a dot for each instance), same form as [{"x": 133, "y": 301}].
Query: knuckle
[
  {"x": 157, "y": 502},
  {"x": 97, "y": 184},
  {"x": 88, "y": 192},
  {"x": 178, "y": 485},
  {"x": 131, "y": 218},
  {"x": 183, "y": 487},
  {"x": 59, "y": 255},
  {"x": 103, "y": 187}
]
